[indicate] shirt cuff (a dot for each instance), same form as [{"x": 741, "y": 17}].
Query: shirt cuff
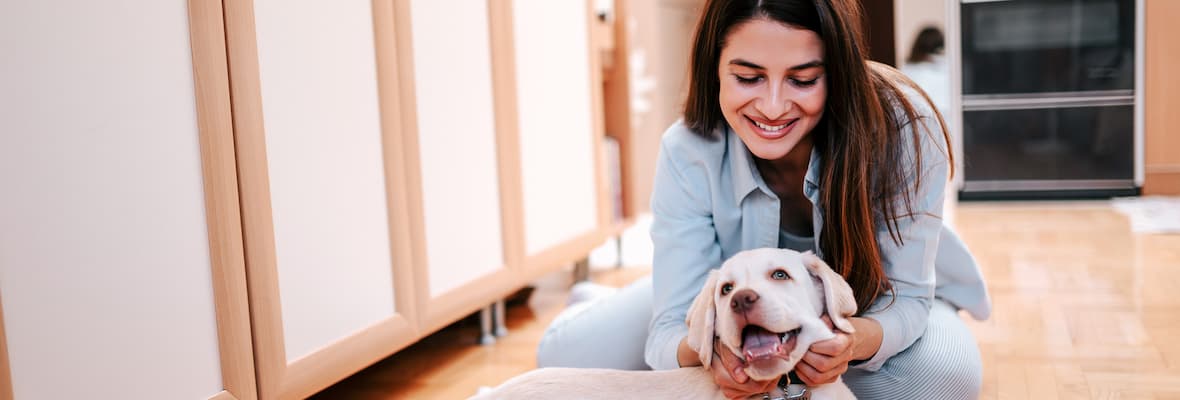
[
  {"x": 662, "y": 349},
  {"x": 901, "y": 326}
]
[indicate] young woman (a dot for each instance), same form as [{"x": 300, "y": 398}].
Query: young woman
[
  {"x": 928, "y": 68},
  {"x": 790, "y": 138}
]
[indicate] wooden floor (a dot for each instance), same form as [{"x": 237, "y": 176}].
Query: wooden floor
[{"x": 1083, "y": 309}]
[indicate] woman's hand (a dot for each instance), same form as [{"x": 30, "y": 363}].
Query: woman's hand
[
  {"x": 728, "y": 373},
  {"x": 826, "y": 360}
]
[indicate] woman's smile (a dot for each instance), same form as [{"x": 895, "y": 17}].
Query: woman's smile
[{"x": 772, "y": 130}]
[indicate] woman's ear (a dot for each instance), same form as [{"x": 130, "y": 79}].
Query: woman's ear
[
  {"x": 838, "y": 300},
  {"x": 701, "y": 318}
]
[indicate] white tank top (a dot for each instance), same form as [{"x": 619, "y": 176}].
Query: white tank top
[{"x": 787, "y": 240}]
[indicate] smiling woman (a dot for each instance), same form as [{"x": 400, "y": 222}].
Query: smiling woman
[
  {"x": 773, "y": 94},
  {"x": 792, "y": 139}
]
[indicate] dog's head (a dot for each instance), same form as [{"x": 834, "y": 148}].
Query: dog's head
[{"x": 764, "y": 305}]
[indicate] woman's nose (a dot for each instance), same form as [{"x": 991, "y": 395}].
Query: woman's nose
[{"x": 775, "y": 104}]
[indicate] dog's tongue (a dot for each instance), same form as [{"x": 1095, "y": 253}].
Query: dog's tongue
[{"x": 758, "y": 343}]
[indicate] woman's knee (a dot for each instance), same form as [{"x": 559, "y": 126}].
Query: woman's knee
[
  {"x": 548, "y": 353},
  {"x": 920, "y": 376},
  {"x": 562, "y": 335},
  {"x": 943, "y": 364},
  {"x": 953, "y": 364},
  {"x": 604, "y": 333},
  {"x": 957, "y": 377}
]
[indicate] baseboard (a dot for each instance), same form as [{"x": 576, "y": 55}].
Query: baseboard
[
  {"x": 1161, "y": 183},
  {"x": 1022, "y": 195}
]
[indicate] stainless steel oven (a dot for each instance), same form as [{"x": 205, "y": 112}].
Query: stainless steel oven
[{"x": 1050, "y": 97}]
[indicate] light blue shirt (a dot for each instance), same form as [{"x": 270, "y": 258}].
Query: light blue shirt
[{"x": 709, "y": 203}]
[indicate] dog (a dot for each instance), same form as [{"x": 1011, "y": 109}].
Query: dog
[{"x": 763, "y": 305}]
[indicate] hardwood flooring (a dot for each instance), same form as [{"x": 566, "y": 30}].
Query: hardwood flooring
[{"x": 1083, "y": 309}]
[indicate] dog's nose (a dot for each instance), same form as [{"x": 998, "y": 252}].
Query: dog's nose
[{"x": 743, "y": 300}]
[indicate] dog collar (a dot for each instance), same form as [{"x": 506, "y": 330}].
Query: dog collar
[{"x": 789, "y": 391}]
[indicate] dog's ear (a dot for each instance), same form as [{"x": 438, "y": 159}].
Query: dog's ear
[
  {"x": 838, "y": 300},
  {"x": 701, "y": 317}
]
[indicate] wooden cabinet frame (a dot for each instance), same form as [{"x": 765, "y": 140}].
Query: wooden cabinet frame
[
  {"x": 437, "y": 311},
  {"x": 218, "y": 166},
  {"x": 532, "y": 266},
  {"x": 236, "y": 182},
  {"x": 5, "y": 372},
  {"x": 226, "y": 254},
  {"x": 519, "y": 268},
  {"x": 278, "y": 378},
  {"x": 1160, "y": 56}
]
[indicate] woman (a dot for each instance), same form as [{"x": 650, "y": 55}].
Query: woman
[
  {"x": 791, "y": 139},
  {"x": 927, "y": 67}
]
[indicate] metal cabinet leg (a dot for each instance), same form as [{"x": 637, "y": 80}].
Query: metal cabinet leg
[
  {"x": 485, "y": 326},
  {"x": 619, "y": 251},
  {"x": 499, "y": 316},
  {"x": 582, "y": 270}
]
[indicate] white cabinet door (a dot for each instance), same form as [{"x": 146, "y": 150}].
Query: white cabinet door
[
  {"x": 318, "y": 74},
  {"x": 558, "y": 142},
  {"x": 456, "y": 142},
  {"x": 105, "y": 258},
  {"x": 321, "y": 186}
]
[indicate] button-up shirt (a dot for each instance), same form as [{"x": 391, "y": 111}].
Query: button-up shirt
[{"x": 709, "y": 202}]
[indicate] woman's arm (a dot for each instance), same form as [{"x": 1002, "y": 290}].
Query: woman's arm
[
  {"x": 903, "y": 312},
  {"x": 686, "y": 356},
  {"x": 684, "y": 240},
  {"x": 827, "y": 360}
]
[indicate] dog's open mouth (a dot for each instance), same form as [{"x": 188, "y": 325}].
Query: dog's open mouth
[{"x": 760, "y": 344}]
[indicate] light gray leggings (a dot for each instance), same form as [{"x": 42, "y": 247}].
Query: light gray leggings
[{"x": 610, "y": 333}]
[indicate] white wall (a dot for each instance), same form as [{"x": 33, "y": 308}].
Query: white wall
[
  {"x": 317, "y": 67},
  {"x": 556, "y": 131},
  {"x": 457, "y": 141},
  {"x": 104, "y": 258}
]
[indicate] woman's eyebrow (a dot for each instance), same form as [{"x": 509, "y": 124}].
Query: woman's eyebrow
[
  {"x": 806, "y": 65},
  {"x": 747, "y": 64},
  {"x": 744, "y": 63}
]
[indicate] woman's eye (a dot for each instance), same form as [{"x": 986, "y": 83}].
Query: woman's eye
[
  {"x": 726, "y": 288},
  {"x": 802, "y": 83},
  {"x": 779, "y": 275},
  {"x": 747, "y": 80}
]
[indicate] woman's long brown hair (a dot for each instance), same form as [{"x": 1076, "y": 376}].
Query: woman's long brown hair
[{"x": 864, "y": 181}]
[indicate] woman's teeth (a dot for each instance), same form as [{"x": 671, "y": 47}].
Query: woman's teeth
[{"x": 770, "y": 128}]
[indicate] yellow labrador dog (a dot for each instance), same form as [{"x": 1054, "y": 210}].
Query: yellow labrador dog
[{"x": 763, "y": 305}]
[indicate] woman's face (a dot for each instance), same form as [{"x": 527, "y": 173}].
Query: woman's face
[{"x": 772, "y": 85}]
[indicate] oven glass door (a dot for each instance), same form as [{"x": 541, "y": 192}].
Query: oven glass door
[
  {"x": 1047, "y": 46},
  {"x": 1085, "y": 146}
]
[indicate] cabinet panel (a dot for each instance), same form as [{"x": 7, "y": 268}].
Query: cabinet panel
[
  {"x": 457, "y": 142},
  {"x": 1162, "y": 97},
  {"x": 105, "y": 265},
  {"x": 318, "y": 76},
  {"x": 557, "y": 138}
]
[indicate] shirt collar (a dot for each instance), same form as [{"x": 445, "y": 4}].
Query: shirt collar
[
  {"x": 745, "y": 174},
  {"x": 741, "y": 164},
  {"x": 813, "y": 166}
]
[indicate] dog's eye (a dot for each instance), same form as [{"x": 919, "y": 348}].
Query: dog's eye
[
  {"x": 780, "y": 275},
  {"x": 726, "y": 288}
]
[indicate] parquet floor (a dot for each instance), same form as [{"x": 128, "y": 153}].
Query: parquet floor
[{"x": 1083, "y": 309}]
